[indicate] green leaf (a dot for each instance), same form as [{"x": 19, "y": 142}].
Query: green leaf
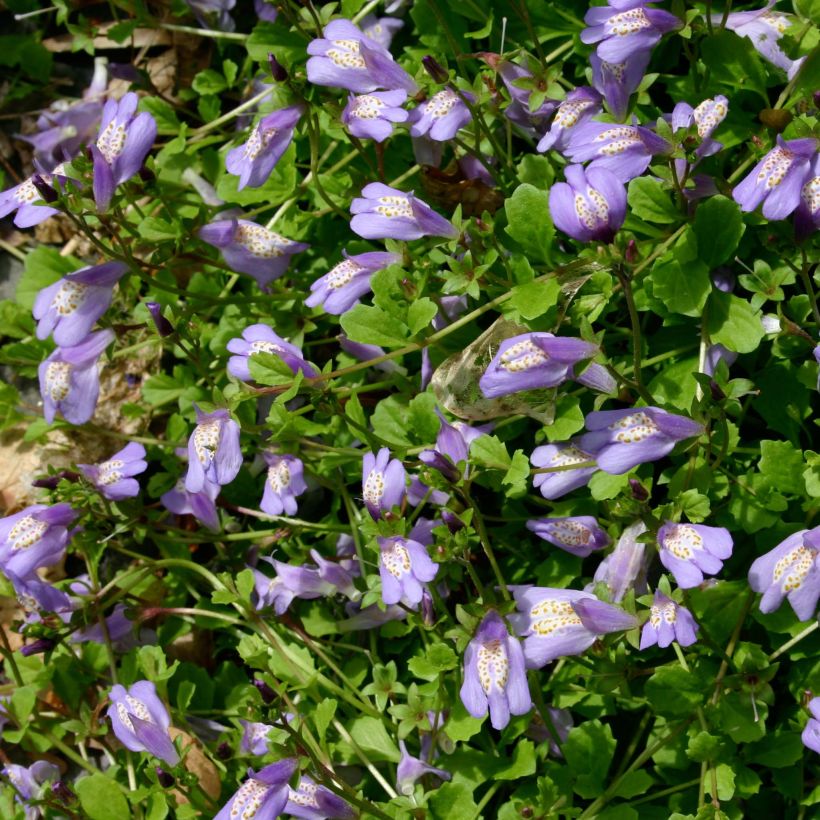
[
  {"x": 633, "y": 784},
  {"x": 452, "y": 800},
  {"x": 683, "y": 288},
  {"x": 323, "y": 714},
  {"x": 588, "y": 750},
  {"x": 775, "y": 751},
  {"x": 209, "y": 82},
  {"x": 165, "y": 116},
  {"x": 267, "y": 38},
  {"x": 695, "y": 505},
  {"x": 155, "y": 229},
  {"x": 420, "y": 314},
  {"x": 521, "y": 765},
  {"x": 369, "y": 324},
  {"x": 371, "y": 736},
  {"x": 732, "y": 322},
  {"x": 782, "y": 465},
  {"x": 739, "y": 720},
  {"x": 489, "y": 451},
  {"x": 534, "y": 299},
  {"x": 161, "y": 389},
  {"x": 604, "y": 486},
  {"x": 461, "y": 725},
  {"x": 718, "y": 226},
  {"x": 673, "y": 690},
  {"x": 648, "y": 200},
  {"x": 101, "y": 798},
  {"x": 517, "y": 477},
  {"x": 529, "y": 220},
  {"x": 436, "y": 659},
  {"x": 269, "y": 369}
]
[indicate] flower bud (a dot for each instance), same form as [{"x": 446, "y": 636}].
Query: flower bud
[
  {"x": 37, "y": 647},
  {"x": 435, "y": 69},
  {"x": 164, "y": 327},
  {"x": 46, "y": 191},
  {"x": 165, "y": 779},
  {"x": 223, "y": 751},
  {"x": 277, "y": 70},
  {"x": 62, "y": 792},
  {"x": 639, "y": 492},
  {"x": 268, "y": 695}
]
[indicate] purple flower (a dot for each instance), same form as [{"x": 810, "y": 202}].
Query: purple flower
[
  {"x": 265, "y": 11},
  {"x": 565, "y": 479},
  {"x": 283, "y": 483},
  {"x": 626, "y": 566},
  {"x": 21, "y": 198},
  {"x": 345, "y": 283},
  {"x": 579, "y": 535},
  {"x": 213, "y": 13},
  {"x": 254, "y": 160},
  {"x": 386, "y": 213},
  {"x": 716, "y": 354},
  {"x": 254, "y": 738},
  {"x": 624, "y": 150},
  {"x": 120, "y": 630},
  {"x": 777, "y": 181},
  {"x": 114, "y": 477},
  {"x": 122, "y": 145},
  {"x": 452, "y": 447},
  {"x": 381, "y": 29},
  {"x": 411, "y": 769},
  {"x": 263, "y": 795},
  {"x": 200, "y": 504},
  {"x": 625, "y": 28},
  {"x": 69, "y": 381},
  {"x": 214, "y": 456},
  {"x": 163, "y": 326},
  {"x": 37, "y": 597},
  {"x": 365, "y": 352},
  {"x": 34, "y": 537},
  {"x": 311, "y": 801},
  {"x": 494, "y": 673},
  {"x": 590, "y": 205},
  {"x": 689, "y": 551},
  {"x": 371, "y": 116},
  {"x": 707, "y": 117},
  {"x": 441, "y": 117},
  {"x": 807, "y": 215},
  {"x": 792, "y": 571},
  {"x": 261, "y": 339},
  {"x": 518, "y": 111},
  {"x": 811, "y": 734},
  {"x": 140, "y": 720},
  {"x": 618, "y": 81},
  {"x": 532, "y": 361},
  {"x": 580, "y": 105},
  {"x": 28, "y": 782},
  {"x": 346, "y": 58},
  {"x": 668, "y": 622},
  {"x": 382, "y": 482},
  {"x": 622, "y": 439},
  {"x": 404, "y": 567},
  {"x": 249, "y": 248}
]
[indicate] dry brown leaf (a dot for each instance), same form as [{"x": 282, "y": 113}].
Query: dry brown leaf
[{"x": 198, "y": 763}]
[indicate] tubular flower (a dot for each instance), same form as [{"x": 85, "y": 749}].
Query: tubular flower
[
  {"x": 283, "y": 483},
  {"x": 346, "y": 58},
  {"x": 807, "y": 215},
  {"x": 495, "y": 677},
  {"x": 562, "y": 455},
  {"x": 28, "y": 782},
  {"x": 689, "y": 551},
  {"x": 779, "y": 179},
  {"x": 214, "y": 456},
  {"x": 261, "y": 339},
  {"x": 140, "y": 721},
  {"x": 518, "y": 111},
  {"x": 622, "y": 439},
  {"x": 383, "y": 212},
  {"x": 122, "y": 145},
  {"x": 381, "y": 29},
  {"x": 626, "y": 566},
  {"x": 382, "y": 482},
  {"x": 69, "y": 380},
  {"x": 579, "y": 535},
  {"x": 371, "y": 116},
  {"x": 452, "y": 446},
  {"x": 249, "y": 248},
  {"x": 263, "y": 796},
  {"x": 590, "y": 205},
  {"x": 618, "y": 81},
  {"x": 37, "y": 597},
  {"x": 114, "y": 476},
  {"x": 310, "y": 801},
  {"x": 532, "y": 361},
  {"x": 668, "y": 622},
  {"x": 34, "y": 537},
  {"x": 411, "y": 769},
  {"x": 791, "y": 571},
  {"x": 441, "y": 117},
  {"x": 345, "y": 283},
  {"x": 23, "y": 198},
  {"x": 404, "y": 567},
  {"x": 579, "y": 106},
  {"x": 811, "y": 734},
  {"x": 199, "y": 504},
  {"x": 254, "y": 738}
]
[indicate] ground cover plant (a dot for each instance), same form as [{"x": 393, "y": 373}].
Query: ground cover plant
[{"x": 408, "y": 409}]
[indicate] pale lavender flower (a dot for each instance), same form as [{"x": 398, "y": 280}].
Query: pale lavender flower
[
  {"x": 580, "y": 105},
  {"x": 122, "y": 145},
  {"x": 199, "y": 504},
  {"x": 34, "y": 537},
  {"x": 518, "y": 111},
  {"x": 37, "y": 597},
  {"x": 411, "y": 769},
  {"x": 706, "y": 117},
  {"x": 714, "y": 355},
  {"x": 668, "y": 622},
  {"x": 312, "y": 801},
  {"x": 255, "y": 159},
  {"x": 622, "y": 439},
  {"x": 114, "y": 476},
  {"x": 121, "y": 632},
  {"x": 140, "y": 720},
  {"x": 618, "y": 81},
  {"x": 791, "y": 571},
  {"x": 690, "y": 551},
  {"x": 625, "y": 28},
  {"x": 346, "y": 58},
  {"x": 345, "y": 283},
  {"x": 264, "y": 795},
  {"x": 452, "y": 446},
  {"x": 561, "y": 455},
  {"x": 249, "y": 248},
  {"x": 441, "y": 117},
  {"x": 370, "y": 617},
  {"x": 404, "y": 567},
  {"x": 777, "y": 181},
  {"x": 590, "y": 205},
  {"x": 265, "y": 11},
  {"x": 562, "y": 724},
  {"x": 260, "y": 338},
  {"x": 283, "y": 483},
  {"x": 69, "y": 379},
  {"x": 811, "y": 733},
  {"x": 213, "y": 14},
  {"x": 602, "y": 618},
  {"x": 580, "y": 535},
  {"x": 365, "y": 353},
  {"x": 807, "y": 215},
  {"x": 383, "y": 481},
  {"x": 596, "y": 377},
  {"x": 816, "y": 354},
  {"x": 383, "y": 212},
  {"x": 371, "y": 116},
  {"x": 23, "y": 198},
  {"x": 28, "y": 782},
  {"x": 254, "y": 738},
  {"x": 495, "y": 677},
  {"x": 381, "y": 29},
  {"x": 532, "y": 361},
  {"x": 214, "y": 456},
  {"x": 626, "y": 566}
]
